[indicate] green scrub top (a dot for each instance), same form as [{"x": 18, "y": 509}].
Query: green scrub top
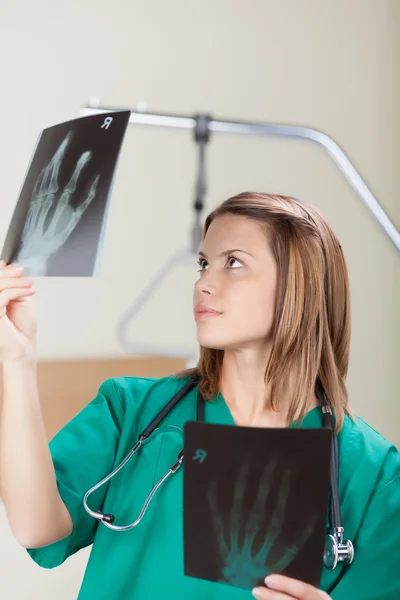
[{"x": 147, "y": 561}]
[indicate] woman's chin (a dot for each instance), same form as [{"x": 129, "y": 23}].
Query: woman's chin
[{"x": 213, "y": 342}]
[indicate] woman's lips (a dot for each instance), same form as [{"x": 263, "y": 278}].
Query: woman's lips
[
  {"x": 203, "y": 312},
  {"x": 199, "y": 316}
]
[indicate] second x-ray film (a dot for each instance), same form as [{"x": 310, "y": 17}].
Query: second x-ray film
[
  {"x": 255, "y": 503},
  {"x": 58, "y": 224}
]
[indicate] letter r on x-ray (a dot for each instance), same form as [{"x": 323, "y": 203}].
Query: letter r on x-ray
[
  {"x": 200, "y": 455},
  {"x": 107, "y": 122}
]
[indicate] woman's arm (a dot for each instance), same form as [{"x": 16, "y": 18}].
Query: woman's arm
[{"x": 28, "y": 486}]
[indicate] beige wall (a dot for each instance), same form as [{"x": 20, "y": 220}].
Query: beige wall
[{"x": 332, "y": 65}]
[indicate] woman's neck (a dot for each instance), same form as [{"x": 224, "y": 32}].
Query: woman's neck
[{"x": 248, "y": 397}]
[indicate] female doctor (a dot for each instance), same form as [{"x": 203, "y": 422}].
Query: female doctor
[{"x": 273, "y": 316}]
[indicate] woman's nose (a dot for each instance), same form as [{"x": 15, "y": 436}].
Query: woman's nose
[{"x": 207, "y": 284}]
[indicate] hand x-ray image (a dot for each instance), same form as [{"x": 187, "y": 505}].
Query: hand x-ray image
[
  {"x": 58, "y": 225},
  {"x": 255, "y": 503}
]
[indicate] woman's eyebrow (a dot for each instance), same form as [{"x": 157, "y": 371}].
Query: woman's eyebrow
[{"x": 226, "y": 252}]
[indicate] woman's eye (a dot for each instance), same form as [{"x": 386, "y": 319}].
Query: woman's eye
[
  {"x": 233, "y": 260},
  {"x": 202, "y": 264}
]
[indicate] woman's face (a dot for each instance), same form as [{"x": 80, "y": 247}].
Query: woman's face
[{"x": 238, "y": 279}]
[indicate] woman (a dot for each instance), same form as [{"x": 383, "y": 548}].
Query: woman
[{"x": 272, "y": 314}]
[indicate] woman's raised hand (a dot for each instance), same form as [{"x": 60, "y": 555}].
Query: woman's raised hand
[{"x": 18, "y": 323}]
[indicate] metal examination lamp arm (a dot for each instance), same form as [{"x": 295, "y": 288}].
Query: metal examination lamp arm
[
  {"x": 241, "y": 128},
  {"x": 266, "y": 129}
]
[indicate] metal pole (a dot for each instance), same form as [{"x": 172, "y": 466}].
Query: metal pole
[{"x": 267, "y": 129}]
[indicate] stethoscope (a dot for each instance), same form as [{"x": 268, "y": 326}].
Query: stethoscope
[{"x": 336, "y": 550}]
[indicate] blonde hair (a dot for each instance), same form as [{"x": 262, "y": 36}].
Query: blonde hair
[{"x": 311, "y": 328}]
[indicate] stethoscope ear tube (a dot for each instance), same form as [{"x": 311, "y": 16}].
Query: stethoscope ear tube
[
  {"x": 193, "y": 381},
  {"x": 107, "y": 518}
]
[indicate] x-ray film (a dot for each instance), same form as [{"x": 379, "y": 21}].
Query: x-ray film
[
  {"x": 58, "y": 224},
  {"x": 255, "y": 503}
]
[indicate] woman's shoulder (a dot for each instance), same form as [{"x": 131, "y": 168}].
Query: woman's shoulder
[
  {"x": 366, "y": 453},
  {"x": 132, "y": 392},
  {"x": 131, "y": 386}
]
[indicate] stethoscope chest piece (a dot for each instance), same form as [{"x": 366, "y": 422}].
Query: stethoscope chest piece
[{"x": 336, "y": 550}]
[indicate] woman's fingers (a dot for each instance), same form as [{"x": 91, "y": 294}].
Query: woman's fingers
[
  {"x": 13, "y": 282},
  {"x": 13, "y": 286},
  {"x": 8, "y": 295},
  {"x": 12, "y": 270},
  {"x": 11, "y": 276},
  {"x": 13, "y": 295}
]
